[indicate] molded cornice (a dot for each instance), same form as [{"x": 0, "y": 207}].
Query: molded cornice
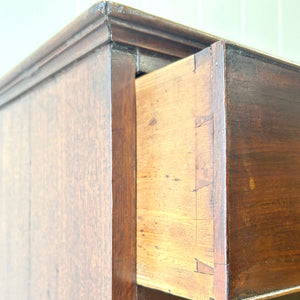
[{"x": 104, "y": 23}]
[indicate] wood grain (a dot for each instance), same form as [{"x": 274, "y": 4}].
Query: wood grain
[
  {"x": 263, "y": 173},
  {"x": 252, "y": 149},
  {"x": 71, "y": 193},
  {"x": 123, "y": 175},
  {"x": 14, "y": 200},
  {"x": 174, "y": 179}
]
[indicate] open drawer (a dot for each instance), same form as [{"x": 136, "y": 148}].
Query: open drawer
[{"x": 218, "y": 176}]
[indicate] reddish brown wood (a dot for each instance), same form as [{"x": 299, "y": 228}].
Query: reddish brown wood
[
  {"x": 263, "y": 140},
  {"x": 71, "y": 175},
  {"x": 68, "y": 188},
  {"x": 123, "y": 175}
]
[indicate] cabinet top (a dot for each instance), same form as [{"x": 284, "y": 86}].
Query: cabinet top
[
  {"x": 124, "y": 28},
  {"x": 108, "y": 22}
]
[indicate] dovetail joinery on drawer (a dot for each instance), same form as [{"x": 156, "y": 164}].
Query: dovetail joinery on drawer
[
  {"x": 218, "y": 180},
  {"x": 175, "y": 179}
]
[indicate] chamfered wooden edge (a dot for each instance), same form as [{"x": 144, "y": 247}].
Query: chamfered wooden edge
[
  {"x": 220, "y": 172},
  {"x": 105, "y": 22}
]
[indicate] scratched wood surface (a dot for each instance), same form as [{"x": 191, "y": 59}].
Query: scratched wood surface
[
  {"x": 71, "y": 199},
  {"x": 14, "y": 200},
  {"x": 174, "y": 179}
]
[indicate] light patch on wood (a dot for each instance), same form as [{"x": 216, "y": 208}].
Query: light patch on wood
[{"x": 251, "y": 183}]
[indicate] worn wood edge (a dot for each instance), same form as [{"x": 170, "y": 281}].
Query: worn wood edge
[
  {"x": 123, "y": 103},
  {"x": 279, "y": 293},
  {"x": 220, "y": 172},
  {"x": 101, "y": 21}
]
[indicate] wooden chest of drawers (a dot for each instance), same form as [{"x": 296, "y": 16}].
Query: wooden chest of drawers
[{"x": 143, "y": 159}]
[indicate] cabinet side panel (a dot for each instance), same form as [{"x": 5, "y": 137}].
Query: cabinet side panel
[
  {"x": 174, "y": 179},
  {"x": 71, "y": 206},
  {"x": 14, "y": 200},
  {"x": 263, "y": 174}
]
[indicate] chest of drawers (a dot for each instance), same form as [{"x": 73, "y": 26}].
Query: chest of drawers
[{"x": 143, "y": 159}]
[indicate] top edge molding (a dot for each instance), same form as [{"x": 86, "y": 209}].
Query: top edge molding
[
  {"x": 104, "y": 23},
  {"x": 123, "y": 24}
]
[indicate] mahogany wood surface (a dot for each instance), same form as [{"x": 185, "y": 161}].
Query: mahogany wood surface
[
  {"x": 123, "y": 175},
  {"x": 68, "y": 213},
  {"x": 263, "y": 154},
  {"x": 71, "y": 193}
]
